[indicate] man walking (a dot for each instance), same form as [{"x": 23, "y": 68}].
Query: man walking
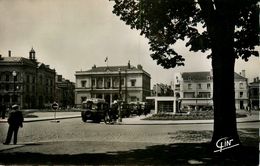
[{"x": 15, "y": 120}]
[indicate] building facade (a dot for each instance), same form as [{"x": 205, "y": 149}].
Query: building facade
[
  {"x": 111, "y": 82},
  {"x": 254, "y": 93},
  {"x": 195, "y": 89},
  {"x": 26, "y": 82},
  {"x": 65, "y": 92}
]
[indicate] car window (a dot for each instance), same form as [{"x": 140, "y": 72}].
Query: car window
[
  {"x": 87, "y": 105},
  {"x": 99, "y": 106}
]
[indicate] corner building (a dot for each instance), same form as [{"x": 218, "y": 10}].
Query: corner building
[
  {"x": 104, "y": 82},
  {"x": 195, "y": 89},
  {"x": 26, "y": 82}
]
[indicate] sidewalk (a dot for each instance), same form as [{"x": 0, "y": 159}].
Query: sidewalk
[
  {"x": 135, "y": 120},
  {"x": 45, "y": 116}
]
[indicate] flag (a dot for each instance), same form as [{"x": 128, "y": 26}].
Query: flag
[{"x": 106, "y": 59}]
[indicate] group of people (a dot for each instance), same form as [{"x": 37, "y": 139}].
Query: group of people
[{"x": 15, "y": 121}]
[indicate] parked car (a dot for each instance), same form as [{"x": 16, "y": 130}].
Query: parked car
[
  {"x": 94, "y": 109},
  {"x": 125, "y": 110}
]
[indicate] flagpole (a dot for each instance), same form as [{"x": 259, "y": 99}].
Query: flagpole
[{"x": 106, "y": 60}]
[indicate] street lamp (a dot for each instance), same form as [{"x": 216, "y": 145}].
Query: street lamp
[
  {"x": 120, "y": 97},
  {"x": 14, "y": 77}
]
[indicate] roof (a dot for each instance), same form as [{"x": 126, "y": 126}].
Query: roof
[
  {"x": 102, "y": 69},
  {"x": 16, "y": 60},
  {"x": 196, "y": 76},
  {"x": 237, "y": 76},
  {"x": 202, "y": 76},
  {"x": 111, "y": 68}
]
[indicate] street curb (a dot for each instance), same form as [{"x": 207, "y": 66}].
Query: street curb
[
  {"x": 141, "y": 122},
  {"x": 177, "y": 123},
  {"x": 44, "y": 119},
  {"x": 49, "y": 118}
]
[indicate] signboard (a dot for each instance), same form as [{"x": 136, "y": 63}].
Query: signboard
[{"x": 55, "y": 106}]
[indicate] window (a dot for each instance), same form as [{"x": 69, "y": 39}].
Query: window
[
  {"x": 83, "y": 84},
  {"x": 133, "y": 82},
  {"x": 7, "y": 87},
  {"x": 122, "y": 81},
  {"x": 241, "y": 85},
  {"x": 133, "y": 98},
  {"x": 199, "y": 86},
  {"x": 7, "y": 77},
  {"x": 189, "y": 86},
  {"x": 241, "y": 94},
  {"x": 28, "y": 78},
  {"x": 208, "y": 86},
  {"x": 189, "y": 94},
  {"x": 40, "y": 79},
  {"x": 27, "y": 88},
  {"x": 93, "y": 82}
]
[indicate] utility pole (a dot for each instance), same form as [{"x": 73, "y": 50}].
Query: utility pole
[
  {"x": 120, "y": 97},
  {"x": 14, "y": 77}
]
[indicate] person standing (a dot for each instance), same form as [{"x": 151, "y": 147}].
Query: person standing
[{"x": 15, "y": 120}]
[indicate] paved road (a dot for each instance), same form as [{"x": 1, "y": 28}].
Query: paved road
[
  {"x": 74, "y": 137},
  {"x": 76, "y": 130}
]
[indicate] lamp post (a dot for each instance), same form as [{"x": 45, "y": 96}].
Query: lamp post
[
  {"x": 14, "y": 77},
  {"x": 120, "y": 97}
]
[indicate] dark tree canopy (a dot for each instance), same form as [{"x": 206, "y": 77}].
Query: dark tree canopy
[
  {"x": 229, "y": 28},
  {"x": 164, "y": 22}
]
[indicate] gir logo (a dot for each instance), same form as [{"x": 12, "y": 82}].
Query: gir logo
[{"x": 224, "y": 143}]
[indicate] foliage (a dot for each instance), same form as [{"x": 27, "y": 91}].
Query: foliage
[
  {"x": 195, "y": 115},
  {"x": 164, "y": 22}
]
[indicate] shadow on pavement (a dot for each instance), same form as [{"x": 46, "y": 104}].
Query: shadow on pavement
[
  {"x": 173, "y": 154},
  {"x": 166, "y": 154}
]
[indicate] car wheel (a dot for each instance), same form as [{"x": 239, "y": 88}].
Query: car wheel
[
  {"x": 88, "y": 115},
  {"x": 84, "y": 119},
  {"x": 107, "y": 119}
]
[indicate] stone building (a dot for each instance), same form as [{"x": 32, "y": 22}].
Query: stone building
[
  {"x": 65, "y": 92},
  {"x": 195, "y": 89},
  {"x": 25, "y": 81},
  {"x": 104, "y": 82},
  {"x": 254, "y": 93}
]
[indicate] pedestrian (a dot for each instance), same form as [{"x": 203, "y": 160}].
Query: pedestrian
[
  {"x": 3, "y": 111},
  {"x": 248, "y": 108},
  {"x": 15, "y": 120}
]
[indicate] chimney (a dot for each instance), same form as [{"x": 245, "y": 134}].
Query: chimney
[
  {"x": 9, "y": 53},
  {"x": 128, "y": 65},
  {"x": 140, "y": 67},
  {"x": 93, "y": 67},
  {"x": 243, "y": 73}
]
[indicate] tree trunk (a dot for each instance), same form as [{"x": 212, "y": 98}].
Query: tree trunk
[{"x": 225, "y": 136}]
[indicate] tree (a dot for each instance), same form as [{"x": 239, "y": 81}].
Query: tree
[{"x": 228, "y": 28}]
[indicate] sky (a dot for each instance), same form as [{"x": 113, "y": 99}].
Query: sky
[{"x": 73, "y": 35}]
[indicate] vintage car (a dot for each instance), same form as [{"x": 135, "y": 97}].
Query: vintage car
[{"x": 94, "y": 109}]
